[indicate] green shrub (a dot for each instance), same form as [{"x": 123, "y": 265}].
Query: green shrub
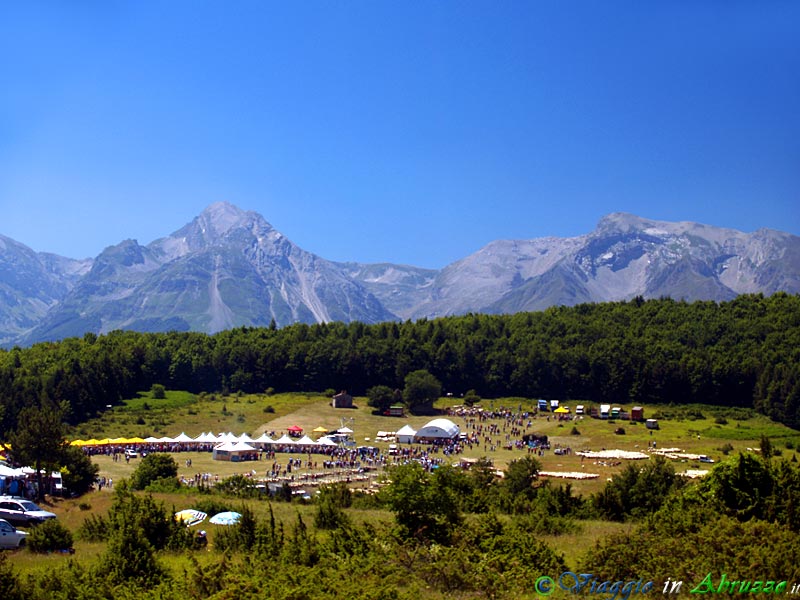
[
  {"x": 153, "y": 468},
  {"x": 269, "y": 408},
  {"x": 50, "y": 536},
  {"x": 329, "y": 515},
  {"x": 726, "y": 448}
]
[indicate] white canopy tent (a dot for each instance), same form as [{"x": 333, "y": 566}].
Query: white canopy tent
[
  {"x": 406, "y": 434},
  {"x": 234, "y": 451},
  {"x": 438, "y": 429},
  {"x": 263, "y": 439}
]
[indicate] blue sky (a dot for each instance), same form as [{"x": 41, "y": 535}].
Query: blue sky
[{"x": 407, "y": 132}]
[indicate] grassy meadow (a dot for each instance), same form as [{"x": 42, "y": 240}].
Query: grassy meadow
[{"x": 693, "y": 429}]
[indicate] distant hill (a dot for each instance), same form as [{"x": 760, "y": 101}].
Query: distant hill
[{"x": 228, "y": 268}]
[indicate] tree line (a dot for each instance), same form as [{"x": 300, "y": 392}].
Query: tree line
[{"x": 745, "y": 352}]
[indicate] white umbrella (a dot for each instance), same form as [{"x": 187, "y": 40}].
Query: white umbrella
[{"x": 225, "y": 518}]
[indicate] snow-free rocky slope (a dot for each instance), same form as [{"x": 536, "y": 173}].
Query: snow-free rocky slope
[{"x": 229, "y": 268}]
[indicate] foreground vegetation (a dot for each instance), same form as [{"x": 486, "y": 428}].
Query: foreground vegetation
[{"x": 441, "y": 534}]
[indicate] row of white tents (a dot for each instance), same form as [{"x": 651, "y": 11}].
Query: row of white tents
[{"x": 230, "y": 439}]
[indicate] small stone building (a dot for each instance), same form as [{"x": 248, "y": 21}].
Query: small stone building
[{"x": 342, "y": 400}]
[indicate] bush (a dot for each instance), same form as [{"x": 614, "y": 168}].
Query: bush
[
  {"x": 329, "y": 515},
  {"x": 153, "y": 468},
  {"x": 50, "y": 536},
  {"x": 574, "y": 431},
  {"x": 158, "y": 392},
  {"x": 78, "y": 471},
  {"x": 269, "y": 409},
  {"x": 471, "y": 398},
  {"x": 726, "y": 448}
]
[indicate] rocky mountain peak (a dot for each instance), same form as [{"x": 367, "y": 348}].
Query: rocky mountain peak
[
  {"x": 219, "y": 218},
  {"x": 229, "y": 267}
]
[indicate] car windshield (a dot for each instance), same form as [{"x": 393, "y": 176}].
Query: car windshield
[{"x": 29, "y": 506}]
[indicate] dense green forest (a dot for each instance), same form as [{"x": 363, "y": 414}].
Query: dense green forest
[{"x": 740, "y": 353}]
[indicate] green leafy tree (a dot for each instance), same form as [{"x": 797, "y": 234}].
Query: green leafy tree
[
  {"x": 154, "y": 468},
  {"x": 78, "y": 472},
  {"x": 421, "y": 390},
  {"x": 742, "y": 486},
  {"x": 38, "y": 441},
  {"x": 158, "y": 391},
  {"x": 471, "y": 398},
  {"x": 424, "y": 507},
  {"x": 380, "y": 397},
  {"x": 638, "y": 490},
  {"x": 521, "y": 477},
  {"x": 129, "y": 557}
]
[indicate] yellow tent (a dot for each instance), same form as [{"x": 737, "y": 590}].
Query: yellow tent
[
  {"x": 77, "y": 443},
  {"x": 561, "y": 410},
  {"x": 320, "y": 430}
]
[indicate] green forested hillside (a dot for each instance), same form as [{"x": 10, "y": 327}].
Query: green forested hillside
[{"x": 740, "y": 353}]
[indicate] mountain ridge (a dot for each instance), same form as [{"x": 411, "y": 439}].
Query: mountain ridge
[{"x": 229, "y": 267}]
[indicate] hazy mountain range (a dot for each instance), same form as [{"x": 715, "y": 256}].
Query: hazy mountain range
[{"x": 229, "y": 268}]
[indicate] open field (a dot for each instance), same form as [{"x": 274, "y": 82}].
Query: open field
[{"x": 693, "y": 429}]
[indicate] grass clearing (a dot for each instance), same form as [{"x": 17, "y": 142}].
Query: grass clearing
[
  {"x": 698, "y": 430},
  {"x": 694, "y": 429}
]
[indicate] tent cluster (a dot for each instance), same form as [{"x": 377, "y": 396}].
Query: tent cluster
[
  {"x": 438, "y": 429},
  {"x": 220, "y": 438},
  {"x": 226, "y": 446}
]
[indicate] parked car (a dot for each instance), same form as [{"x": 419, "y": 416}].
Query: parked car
[
  {"x": 19, "y": 511},
  {"x": 10, "y": 536},
  {"x": 131, "y": 453}
]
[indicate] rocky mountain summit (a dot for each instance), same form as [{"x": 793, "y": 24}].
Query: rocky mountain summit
[{"x": 230, "y": 267}]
